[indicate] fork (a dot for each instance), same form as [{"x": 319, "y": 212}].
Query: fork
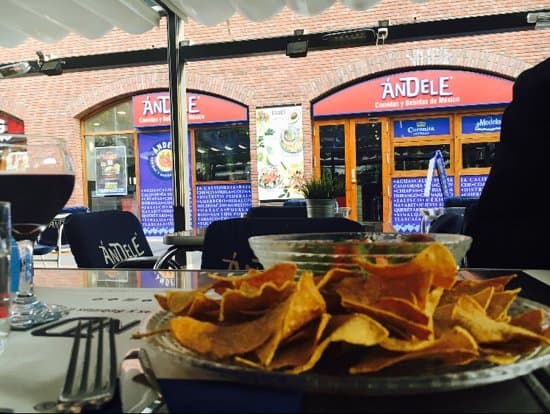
[{"x": 77, "y": 393}]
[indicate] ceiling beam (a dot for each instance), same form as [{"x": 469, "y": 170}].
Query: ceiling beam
[{"x": 357, "y": 37}]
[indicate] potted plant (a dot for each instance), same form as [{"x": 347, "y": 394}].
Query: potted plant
[{"x": 320, "y": 196}]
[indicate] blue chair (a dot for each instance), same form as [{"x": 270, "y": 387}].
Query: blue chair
[
  {"x": 109, "y": 239},
  {"x": 277, "y": 211},
  {"x": 53, "y": 239},
  {"x": 226, "y": 241}
]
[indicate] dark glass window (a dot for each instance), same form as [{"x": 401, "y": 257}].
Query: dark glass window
[
  {"x": 418, "y": 157},
  {"x": 479, "y": 154},
  {"x": 222, "y": 154},
  {"x": 332, "y": 155}
]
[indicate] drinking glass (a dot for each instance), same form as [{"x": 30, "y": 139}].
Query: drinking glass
[{"x": 37, "y": 178}]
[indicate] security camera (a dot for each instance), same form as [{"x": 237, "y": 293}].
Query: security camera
[{"x": 382, "y": 33}]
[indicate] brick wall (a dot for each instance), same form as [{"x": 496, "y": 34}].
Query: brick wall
[{"x": 55, "y": 105}]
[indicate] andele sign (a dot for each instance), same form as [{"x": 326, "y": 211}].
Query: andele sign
[
  {"x": 414, "y": 90},
  {"x": 153, "y": 109}
]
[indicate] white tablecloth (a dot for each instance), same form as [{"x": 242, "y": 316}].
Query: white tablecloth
[{"x": 32, "y": 368}]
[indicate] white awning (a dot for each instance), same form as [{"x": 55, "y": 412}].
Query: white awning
[{"x": 51, "y": 20}]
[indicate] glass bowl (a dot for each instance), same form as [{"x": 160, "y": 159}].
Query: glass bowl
[{"x": 319, "y": 252}]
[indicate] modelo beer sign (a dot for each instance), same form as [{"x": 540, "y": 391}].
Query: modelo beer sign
[
  {"x": 422, "y": 89},
  {"x": 153, "y": 109}
]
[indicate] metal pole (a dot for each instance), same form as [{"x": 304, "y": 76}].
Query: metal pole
[{"x": 178, "y": 124}]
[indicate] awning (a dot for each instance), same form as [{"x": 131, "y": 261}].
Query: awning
[{"x": 51, "y": 20}]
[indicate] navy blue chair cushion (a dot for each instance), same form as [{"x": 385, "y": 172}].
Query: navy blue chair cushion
[
  {"x": 294, "y": 202},
  {"x": 277, "y": 211},
  {"x": 226, "y": 241},
  {"x": 459, "y": 201},
  {"x": 448, "y": 223},
  {"x": 103, "y": 239}
]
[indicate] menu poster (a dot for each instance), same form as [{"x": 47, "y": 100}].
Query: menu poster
[
  {"x": 408, "y": 198},
  {"x": 110, "y": 169},
  {"x": 280, "y": 152},
  {"x": 155, "y": 177}
]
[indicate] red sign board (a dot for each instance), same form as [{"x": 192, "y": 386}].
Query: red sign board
[
  {"x": 10, "y": 125},
  {"x": 422, "y": 89},
  {"x": 153, "y": 109}
]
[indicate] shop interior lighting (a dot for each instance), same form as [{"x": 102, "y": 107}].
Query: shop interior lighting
[
  {"x": 541, "y": 19},
  {"x": 228, "y": 148},
  {"x": 201, "y": 150},
  {"x": 214, "y": 149},
  {"x": 241, "y": 146}
]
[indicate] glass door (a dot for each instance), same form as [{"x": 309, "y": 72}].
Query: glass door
[
  {"x": 366, "y": 173},
  {"x": 351, "y": 150}
]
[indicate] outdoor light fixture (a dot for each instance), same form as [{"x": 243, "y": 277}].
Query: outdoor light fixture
[
  {"x": 14, "y": 69},
  {"x": 541, "y": 19},
  {"x": 298, "y": 48}
]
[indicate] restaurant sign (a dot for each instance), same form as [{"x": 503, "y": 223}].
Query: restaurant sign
[
  {"x": 153, "y": 109},
  {"x": 9, "y": 125},
  {"x": 407, "y": 128},
  {"x": 421, "y": 89},
  {"x": 479, "y": 124}
]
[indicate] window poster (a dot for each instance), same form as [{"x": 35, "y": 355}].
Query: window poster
[
  {"x": 280, "y": 152},
  {"x": 110, "y": 169},
  {"x": 155, "y": 174}
]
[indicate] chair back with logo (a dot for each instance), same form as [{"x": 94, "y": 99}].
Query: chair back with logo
[
  {"x": 104, "y": 239},
  {"x": 226, "y": 241},
  {"x": 53, "y": 239}
]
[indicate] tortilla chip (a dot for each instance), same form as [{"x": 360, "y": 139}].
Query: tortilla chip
[
  {"x": 357, "y": 329},
  {"x": 500, "y": 303},
  {"x": 299, "y": 350},
  {"x": 532, "y": 319},
  {"x": 456, "y": 347},
  {"x": 435, "y": 260},
  {"x": 223, "y": 341},
  {"x": 470, "y": 315},
  {"x": 238, "y": 302},
  {"x": 204, "y": 307},
  {"x": 392, "y": 321},
  {"x": 403, "y": 308},
  {"x": 471, "y": 287},
  {"x": 332, "y": 276},
  {"x": 302, "y": 306},
  {"x": 278, "y": 274}
]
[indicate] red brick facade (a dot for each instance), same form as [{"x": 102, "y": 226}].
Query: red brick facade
[{"x": 55, "y": 105}]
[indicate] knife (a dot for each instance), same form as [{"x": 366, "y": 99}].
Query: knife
[{"x": 147, "y": 367}]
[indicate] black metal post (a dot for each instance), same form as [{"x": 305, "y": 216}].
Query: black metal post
[{"x": 178, "y": 120}]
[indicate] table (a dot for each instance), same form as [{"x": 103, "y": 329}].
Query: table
[
  {"x": 32, "y": 368},
  {"x": 180, "y": 243}
]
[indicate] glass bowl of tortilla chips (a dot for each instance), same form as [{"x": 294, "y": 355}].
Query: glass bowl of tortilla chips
[{"x": 319, "y": 252}]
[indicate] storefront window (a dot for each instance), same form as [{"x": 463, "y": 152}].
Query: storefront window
[
  {"x": 116, "y": 118},
  {"x": 479, "y": 154},
  {"x": 110, "y": 160},
  {"x": 418, "y": 157},
  {"x": 222, "y": 154},
  {"x": 332, "y": 152}
]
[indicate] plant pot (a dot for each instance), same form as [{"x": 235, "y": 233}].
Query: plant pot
[{"x": 321, "y": 207}]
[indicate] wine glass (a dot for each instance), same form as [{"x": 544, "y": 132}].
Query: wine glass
[{"x": 37, "y": 177}]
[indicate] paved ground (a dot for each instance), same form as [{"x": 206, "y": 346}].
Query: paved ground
[{"x": 67, "y": 260}]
